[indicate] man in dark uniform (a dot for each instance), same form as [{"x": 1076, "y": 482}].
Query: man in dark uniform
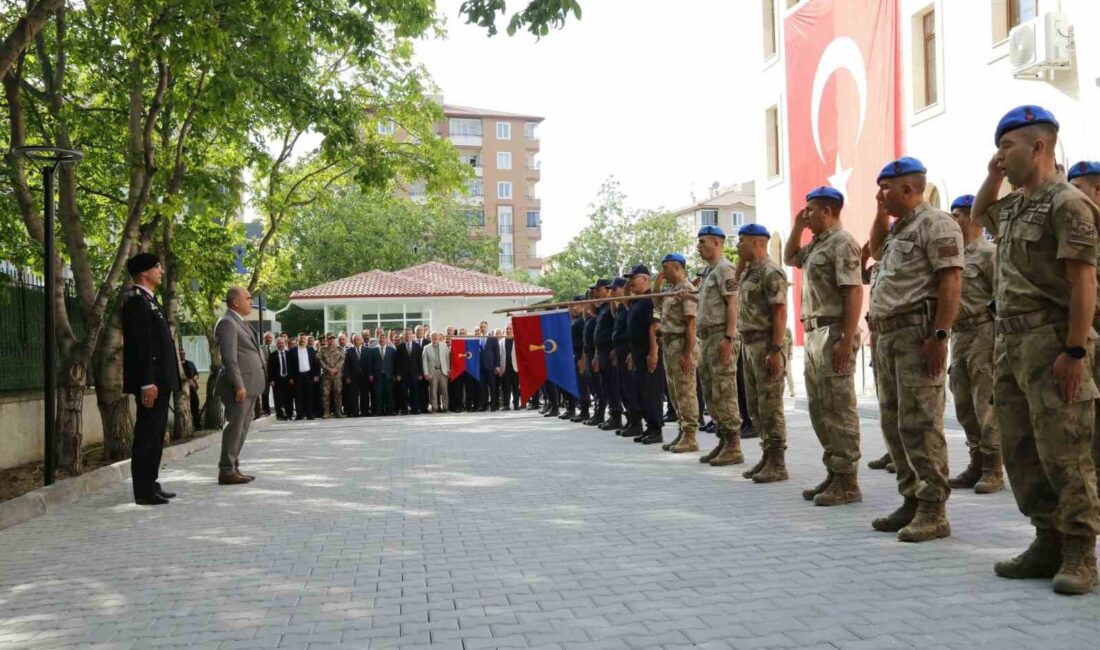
[
  {"x": 150, "y": 372},
  {"x": 278, "y": 370},
  {"x": 645, "y": 359},
  {"x": 594, "y": 385},
  {"x": 620, "y": 340},
  {"x": 609, "y": 378},
  {"x": 583, "y": 401}
]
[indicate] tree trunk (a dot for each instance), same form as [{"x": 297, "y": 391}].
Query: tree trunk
[
  {"x": 213, "y": 414},
  {"x": 70, "y": 410},
  {"x": 114, "y": 405}
]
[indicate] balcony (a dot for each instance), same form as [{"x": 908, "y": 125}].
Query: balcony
[
  {"x": 531, "y": 144},
  {"x": 505, "y": 229},
  {"x": 479, "y": 171},
  {"x": 464, "y": 140},
  {"x": 534, "y": 171}
]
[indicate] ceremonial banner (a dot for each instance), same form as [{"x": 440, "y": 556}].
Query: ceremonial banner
[
  {"x": 466, "y": 357},
  {"x": 544, "y": 350},
  {"x": 844, "y": 107}
]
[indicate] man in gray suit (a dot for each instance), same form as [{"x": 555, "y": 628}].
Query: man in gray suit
[
  {"x": 240, "y": 383},
  {"x": 437, "y": 366}
]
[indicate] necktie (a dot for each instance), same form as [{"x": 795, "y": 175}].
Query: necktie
[{"x": 282, "y": 363}]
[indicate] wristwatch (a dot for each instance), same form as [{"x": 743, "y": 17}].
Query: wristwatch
[
  {"x": 1075, "y": 351},
  {"x": 942, "y": 334},
  {"x": 774, "y": 348}
]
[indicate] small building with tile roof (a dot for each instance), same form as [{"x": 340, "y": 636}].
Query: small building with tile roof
[{"x": 432, "y": 294}]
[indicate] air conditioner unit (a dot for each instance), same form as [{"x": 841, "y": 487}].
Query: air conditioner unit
[{"x": 1039, "y": 46}]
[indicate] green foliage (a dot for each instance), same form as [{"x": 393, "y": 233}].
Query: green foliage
[
  {"x": 615, "y": 239},
  {"x": 538, "y": 17}
]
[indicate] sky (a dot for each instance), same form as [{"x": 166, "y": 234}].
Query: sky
[{"x": 658, "y": 94}]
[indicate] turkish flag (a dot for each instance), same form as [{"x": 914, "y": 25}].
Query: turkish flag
[{"x": 844, "y": 107}]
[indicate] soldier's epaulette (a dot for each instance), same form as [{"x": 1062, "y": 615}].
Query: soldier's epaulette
[{"x": 132, "y": 291}]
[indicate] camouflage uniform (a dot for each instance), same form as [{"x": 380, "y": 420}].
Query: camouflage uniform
[
  {"x": 331, "y": 357},
  {"x": 719, "y": 286},
  {"x": 763, "y": 285},
  {"x": 971, "y": 372},
  {"x": 903, "y": 299},
  {"x": 830, "y": 264},
  {"x": 1047, "y": 442},
  {"x": 681, "y": 385}
]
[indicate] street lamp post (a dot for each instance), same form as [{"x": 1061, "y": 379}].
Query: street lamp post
[{"x": 52, "y": 157}]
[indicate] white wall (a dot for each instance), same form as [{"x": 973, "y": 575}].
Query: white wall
[
  {"x": 439, "y": 312},
  {"x": 23, "y": 418}
]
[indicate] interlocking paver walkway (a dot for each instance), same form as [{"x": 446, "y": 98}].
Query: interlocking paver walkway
[{"x": 512, "y": 531}]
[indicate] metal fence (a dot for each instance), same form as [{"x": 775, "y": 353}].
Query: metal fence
[{"x": 22, "y": 302}]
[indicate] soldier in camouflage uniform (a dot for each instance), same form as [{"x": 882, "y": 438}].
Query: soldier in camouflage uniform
[
  {"x": 1044, "y": 388},
  {"x": 971, "y": 372},
  {"x": 680, "y": 346},
  {"x": 914, "y": 301},
  {"x": 832, "y": 294},
  {"x": 1085, "y": 176},
  {"x": 762, "y": 323},
  {"x": 331, "y": 358},
  {"x": 720, "y": 346}
]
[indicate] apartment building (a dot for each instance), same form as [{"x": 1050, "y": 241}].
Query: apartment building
[
  {"x": 847, "y": 85},
  {"x": 503, "y": 150},
  {"x": 729, "y": 208}
]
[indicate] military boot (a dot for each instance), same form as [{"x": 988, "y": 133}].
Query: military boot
[
  {"x": 1041, "y": 559},
  {"x": 755, "y": 469},
  {"x": 554, "y": 412},
  {"x": 929, "y": 523},
  {"x": 969, "y": 476},
  {"x": 713, "y": 453},
  {"x": 595, "y": 420},
  {"x": 613, "y": 423},
  {"x": 582, "y": 416},
  {"x": 843, "y": 489},
  {"x": 775, "y": 469},
  {"x": 731, "y": 451},
  {"x": 651, "y": 436},
  {"x": 879, "y": 463},
  {"x": 993, "y": 476},
  {"x": 685, "y": 444},
  {"x": 570, "y": 413},
  {"x": 1078, "y": 572},
  {"x": 632, "y": 429},
  {"x": 897, "y": 519},
  {"x": 818, "y": 489},
  {"x": 748, "y": 431},
  {"x": 890, "y": 468},
  {"x": 668, "y": 445}
]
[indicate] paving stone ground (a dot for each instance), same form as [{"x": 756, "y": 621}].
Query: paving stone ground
[{"x": 509, "y": 530}]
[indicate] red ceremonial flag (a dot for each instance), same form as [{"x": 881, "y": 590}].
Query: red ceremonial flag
[
  {"x": 844, "y": 106},
  {"x": 530, "y": 358},
  {"x": 458, "y": 358}
]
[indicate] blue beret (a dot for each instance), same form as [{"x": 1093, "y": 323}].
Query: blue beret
[
  {"x": 753, "y": 230},
  {"x": 618, "y": 283},
  {"x": 901, "y": 167},
  {"x": 639, "y": 269},
  {"x": 1083, "y": 168},
  {"x": 711, "y": 230},
  {"x": 965, "y": 201},
  {"x": 826, "y": 192},
  {"x": 1022, "y": 116},
  {"x": 674, "y": 257}
]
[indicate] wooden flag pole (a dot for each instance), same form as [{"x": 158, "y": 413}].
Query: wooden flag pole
[{"x": 689, "y": 295}]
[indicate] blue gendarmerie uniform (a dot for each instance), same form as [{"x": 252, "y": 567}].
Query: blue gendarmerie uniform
[
  {"x": 627, "y": 391},
  {"x": 649, "y": 385},
  {"x": 577, "y": 326},
  {"x": 594, "y": 385},
  {"x": 605, "y": 330}
]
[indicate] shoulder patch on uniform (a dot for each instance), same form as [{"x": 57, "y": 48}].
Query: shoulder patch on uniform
[
  {"x": 946, "y": 246},
  {"x": 850, "y": 264},
  {"x": 731, "y": 285},
  {"x": 1081, "y": 231}
]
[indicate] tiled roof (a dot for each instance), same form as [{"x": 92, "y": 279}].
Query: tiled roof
[
  {"x": 453, "y": 110},
  {"x": 427, "y": 280}
]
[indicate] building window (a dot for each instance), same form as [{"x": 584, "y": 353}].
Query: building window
[
  {"x": 471, "y": 158},
  {"x": 1011, "y": 13},
  {"x": 534, "y": 219},
  {"x": 738, "y": 219},
  {"x": 529, "y": 130},
  {"x": 336, "y": 318},
  {"x": 464, "y": 127},
  {"x": 533, "y": 249},
  {"x": 475, "y": 216},
  {"x": 504, "y": 220},
  {"x": 932, "y": 195},
  {"x": 504, "y": 160},
  {"x": 386, "y": 127},
  {"x": 531, "y": 196},
  {"x": 504, "y": 131},
  {"x": 507, "y": 259},
  {"x": 708, "y": 217},
  {"x": 504, "y": 189},
  {"x": 771, "y": 38},
  {"x": 771, "y": 124},
  {"x": 476, "y": 187},
  {"x": 924, "y": 77}
]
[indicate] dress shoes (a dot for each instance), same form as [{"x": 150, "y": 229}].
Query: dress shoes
[
  {"x": 164, "y": 494},
  {"x": 232, "y": 479},
  {"x": 651, "y": 437},
  {"x": 150, "y": 500},
  {"x": 247, "y": 476}
]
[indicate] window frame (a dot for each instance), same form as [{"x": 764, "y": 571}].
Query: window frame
[
  {"x": 507, "y": 130},
  {"x": 506, "y": 154},
  {"x": 504, "y": 185}
]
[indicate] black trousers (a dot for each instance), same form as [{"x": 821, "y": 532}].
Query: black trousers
[
  {"x": 742, "y": 397},
  {"x": 349, "y": 396},
  {"x": 365, "y": 393},
  {"x": 425, "y": 388},
  {"x": 609, "y": 379},
  {"x": 628, "y": 392},
  {"x": 473, "y": 392},
  {"x": 699, "y": 396},
  {"x": 488, "y": 392},
  {"x": 149, "y": 428},
  {"x": 284, "y": 405},
  {"x": 316, "y": 403},
  {"x": 303, "y": 395},
  {"x": 509, "y": 389},
  {"x": 383, "y": 395},
  {"x": 553, "y": 396},
  {"x": 455, "y": 396},
  {"x": 410, "y": 388},
  {"x": 595, "y": 385},
  {"x": 651, "y": 388}
]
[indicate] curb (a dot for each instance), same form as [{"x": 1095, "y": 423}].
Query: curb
[
  {"x": 870, "y": 412},
  {"x": 51, "y": 497}
]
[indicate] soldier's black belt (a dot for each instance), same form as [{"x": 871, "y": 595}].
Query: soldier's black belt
[
  {"x": 894, "y": 323},
  {"x": 755, "y": 336},
  {"x": 973, "y": 322},
  {"x": 811, "y": 324},
  {"x": 1029, "y": 321}
]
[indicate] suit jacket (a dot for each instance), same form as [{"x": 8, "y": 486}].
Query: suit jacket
[
  {"x": 273, "y": 364},
  {"x": 385, "y": 364},
  {"x": 490, "y": 354},
  {"x": 434, "y": 361},
  {"x": 149, "y": 355},
  {"x": 242, "y": 359},
  {"x": 355, "y": 365},
  {"x": 311, "y": 354},
  {"x": 409, "y": 362}
]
